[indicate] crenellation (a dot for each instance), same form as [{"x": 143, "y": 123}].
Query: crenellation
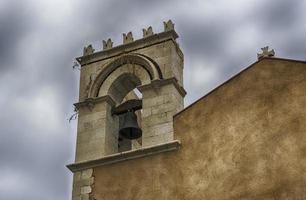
[
  {"x": 147, "y": 32},
  {"x": 127, "y": 38},
  {"x": 108, "y": 44},
  {"x": 169, "y": 25},
  {"x": 88, "y": 50}
]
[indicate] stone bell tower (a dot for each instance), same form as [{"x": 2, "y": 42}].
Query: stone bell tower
[{"x": 145, "y": 75}]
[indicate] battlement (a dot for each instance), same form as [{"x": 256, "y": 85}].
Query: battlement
[{"x": 129, "y": 44}]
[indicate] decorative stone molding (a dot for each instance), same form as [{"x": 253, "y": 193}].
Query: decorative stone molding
[
  {"x": 129, "y": 47},
  {"x": 127, "y": 155},
  {"x": 127, "y": 38},
  {"x": 107, "y": 44},
  {"x": 169, "y": 25},
  {"x": 147, "y": 32},
  {"x": 88, "y": 50},
  {"x": 90, "y": 102}
]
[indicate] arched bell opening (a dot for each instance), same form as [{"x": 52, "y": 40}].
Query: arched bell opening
[
  {"x": 125, "y": 93},
  {"x": 122, "y": 88},
  {"x": 143, "y": 66}
]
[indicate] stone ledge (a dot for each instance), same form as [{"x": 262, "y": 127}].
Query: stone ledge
[
  {"x": 127, "y": 155},
  {"x": 160, "y": 82},
  {"x": 90, "y": 102}
]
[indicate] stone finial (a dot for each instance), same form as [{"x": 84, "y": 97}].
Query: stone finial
[
  {"x": 168, "y": 26},
  {"x": 127, "y": 38},
  {"x": 147, "y": 32},
  {"x": 88, "y": 50},
  {"x": 108, "y": 44},
  {"x": 265, "y": 53}
]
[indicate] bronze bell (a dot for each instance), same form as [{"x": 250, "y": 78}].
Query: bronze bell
[{"x": 129, "y": 127}]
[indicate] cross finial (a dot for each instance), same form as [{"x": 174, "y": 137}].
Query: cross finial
[{"x": 265, "y": 53}]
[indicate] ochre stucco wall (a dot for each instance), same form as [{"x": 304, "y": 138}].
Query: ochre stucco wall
[{"x": 245, "y": 140}]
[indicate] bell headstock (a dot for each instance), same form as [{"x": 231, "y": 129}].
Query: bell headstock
[{"x": 130, "y": 105}]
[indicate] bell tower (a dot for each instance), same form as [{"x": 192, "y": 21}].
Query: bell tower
[{"x": 127, "y": 99}]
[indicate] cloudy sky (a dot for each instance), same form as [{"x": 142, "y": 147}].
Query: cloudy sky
[{"x": 40, "y": 39}]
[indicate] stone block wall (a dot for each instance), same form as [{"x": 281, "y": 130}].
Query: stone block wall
[
  {"x": 97, "y": 132},
  {"x": 159, "y": 107},
  {"x": 83, "y": 182},
  {"x": 154, "y": 65},
  {"x": 165, "y": 52},
  {"x": 169, "y": 57},
  {"x": 97, "y": 128}
]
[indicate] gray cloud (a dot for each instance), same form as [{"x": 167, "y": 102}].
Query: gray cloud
[
  {"x": 15, "y": 22},
  {"x": 275, "y": 15},
  {"x": 38, "y": 85},
  {"x": 204, "y": 39}
]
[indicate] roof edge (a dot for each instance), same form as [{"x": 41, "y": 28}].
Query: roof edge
[{"x": 234, "y": 76}]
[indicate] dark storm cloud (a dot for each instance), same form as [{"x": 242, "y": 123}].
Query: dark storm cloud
[
  {"x": 109, "y": 19},
  {"x": 33, "y": 151},
  {"x": 282, "y": 24},
  {"x": 15, "y": 22},
  {"x": 36, "y": 141},
  {"x": 277, "y": 24},
  {"x": 35, "y": 157}
]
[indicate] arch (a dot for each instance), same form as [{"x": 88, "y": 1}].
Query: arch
[
  {"x": 121, "y": 86},
  {"x": 150, "y": 67},
  {"x": 122, "y": 78}
]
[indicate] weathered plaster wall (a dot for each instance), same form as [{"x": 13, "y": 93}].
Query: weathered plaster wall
[{"x": 245, "y": 140}]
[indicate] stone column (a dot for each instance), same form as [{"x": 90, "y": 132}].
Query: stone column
[
  {"x": 97, "y": 129},
  {"x": 161, "y": 100}
]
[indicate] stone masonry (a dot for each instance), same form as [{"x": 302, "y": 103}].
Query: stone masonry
[
  {"x": 82, "y": 185},
  {"x": 154, "y": 66}
]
